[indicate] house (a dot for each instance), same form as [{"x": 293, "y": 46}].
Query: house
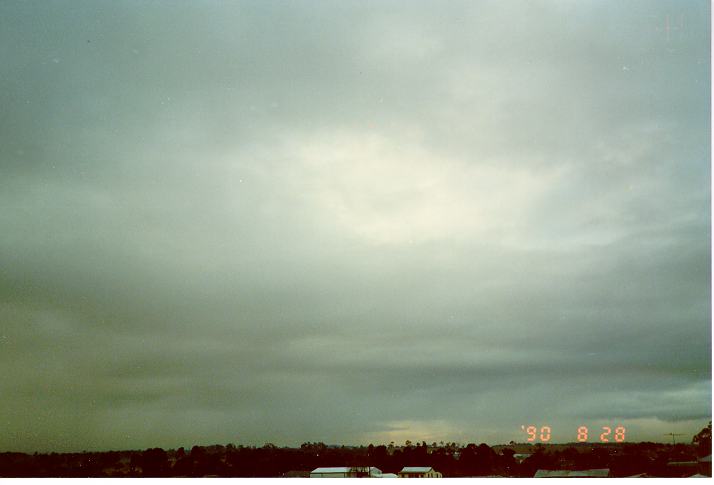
[
  {"x": 419, "y": 472},
  {"x": 331, "y": 472},
  {"x": 520, "y": 457},
  {"x": 346, "y": 472},
  {"x": 682, "y": 468},
  {"x": 594, "y": 473}
]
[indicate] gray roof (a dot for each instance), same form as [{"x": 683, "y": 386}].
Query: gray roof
[
  {"x": 596, "y": 472},
  {"x": 332, "y": 469},
  {"x": 416, "y": 469},
  {"x": 347, "y": 469},
  {"x": 550, "y": 473}
]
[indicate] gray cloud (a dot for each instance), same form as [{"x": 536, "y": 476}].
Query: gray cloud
[{"x": 352, "y": 221}]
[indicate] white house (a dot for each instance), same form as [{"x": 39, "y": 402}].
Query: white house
[
  {"x": 346, "y": 472},
  {"x": 331, "y": 472},
  {"x": 419, "y": 472}
]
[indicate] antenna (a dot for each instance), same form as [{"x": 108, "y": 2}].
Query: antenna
[{"x": 673, "y": 435}]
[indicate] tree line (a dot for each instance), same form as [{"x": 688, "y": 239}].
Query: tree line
[{"x": 450, "y": 459}]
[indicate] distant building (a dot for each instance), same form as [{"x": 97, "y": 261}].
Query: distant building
[
  {"x": 682, "y": 468},
  {"x": 519, "y": 457},
  {"x": 346, "y": 472},
  {"x": 594, "y": 473},
  {"x": 419, "y": 472},
  {"x": 332, "y": 472}
]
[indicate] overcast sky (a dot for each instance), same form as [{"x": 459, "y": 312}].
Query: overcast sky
[{"x": 352, "y": 222}]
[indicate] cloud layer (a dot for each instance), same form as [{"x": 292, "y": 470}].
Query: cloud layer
[{"x": 352, "y": 222}]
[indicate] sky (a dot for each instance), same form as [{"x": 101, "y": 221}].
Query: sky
[{"x": 352, "y": 222}]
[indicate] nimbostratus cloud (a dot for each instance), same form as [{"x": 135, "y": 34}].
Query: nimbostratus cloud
[{"x": 352, "y": 222}]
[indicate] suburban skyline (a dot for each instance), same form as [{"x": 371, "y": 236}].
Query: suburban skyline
[{"x": 352, "y": 222}]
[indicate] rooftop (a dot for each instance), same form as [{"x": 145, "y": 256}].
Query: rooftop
[
  {"x": 596, "y": 472},
  {"x": 332, "y": 469}
]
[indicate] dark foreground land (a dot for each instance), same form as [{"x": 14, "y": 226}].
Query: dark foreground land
[{"x": 514, "y": 460}]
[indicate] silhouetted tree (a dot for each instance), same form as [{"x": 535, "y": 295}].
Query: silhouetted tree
[
  {"x": 703, "y": 441},
  {"x": 539, "y": 460},
  {"x": 183, "y": 467},
  {"x": 154, "y": 463}
]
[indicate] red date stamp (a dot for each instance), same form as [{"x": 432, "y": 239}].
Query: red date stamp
[{"x": 543, "y": 434}]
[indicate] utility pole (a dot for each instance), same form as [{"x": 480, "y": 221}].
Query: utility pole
[{"x": 673, "y": 435}]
